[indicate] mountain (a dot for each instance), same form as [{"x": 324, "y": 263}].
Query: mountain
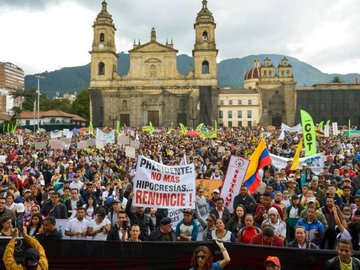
[{"x": 230, "y": 73}]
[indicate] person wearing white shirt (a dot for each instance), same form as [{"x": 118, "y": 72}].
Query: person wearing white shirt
[
  {"x": 77, "y": 227},
  {"x": 99, "y": 226}
]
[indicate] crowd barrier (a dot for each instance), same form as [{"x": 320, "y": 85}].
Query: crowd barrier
[{"x": 74, "y": 254}]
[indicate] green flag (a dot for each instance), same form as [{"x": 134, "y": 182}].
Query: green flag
[
  {"x": 328, "y": 122},
  {"x": 91, "y": 128},
  {"x": 308, "y": 133},
  {"x": 199, "y": 127},
  {"x": 117, "y": 126},
  {"x": 321, "y": 124}
]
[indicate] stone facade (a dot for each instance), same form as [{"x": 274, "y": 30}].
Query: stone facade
[
  {"x": 277, "y": 90},
  {"x": 153, "y": 90},
  {"x": 337, "y": 102}
]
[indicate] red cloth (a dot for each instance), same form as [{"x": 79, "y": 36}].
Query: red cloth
[
  {"x": 247, "y": 234},
  {"x": 259, "y": 240}
]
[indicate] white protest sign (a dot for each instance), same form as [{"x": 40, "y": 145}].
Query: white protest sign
[
  {"x": 234, "y": 177},
  {"x": 315, "y": 162},
  {"x": 135, "y": 144},
  {"x": 2, "y": 159},
  {"x": 176, "y": 216},
  {"x": 335, "y": 128},
  {"x": 130, "y": 152},
  {"x": 157, "y": 185},
  {"x": 82, "y": 145},
  {"x": 55, "y": 134},
  {"x": 123, "y": 140}
]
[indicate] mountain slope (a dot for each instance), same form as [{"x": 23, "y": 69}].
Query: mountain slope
[{"x": 230, "y": 73}]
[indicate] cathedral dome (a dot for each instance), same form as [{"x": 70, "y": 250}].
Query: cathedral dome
[{"x": 253, "y": 73}]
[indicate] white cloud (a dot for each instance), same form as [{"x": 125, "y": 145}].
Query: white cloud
[{"x": 57, "y": 33}]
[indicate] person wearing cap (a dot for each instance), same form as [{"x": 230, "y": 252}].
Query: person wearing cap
[
  {"x": 76, "y": 183},
  {"x": 113, "y": 213},
  {"x": 215, "y": 196},
  {"x": 267, "y": 238},
  {"x": 99, "y": 226},
  {"x": 291, "y": 186},
  {"x": 164, "y": 232},
  {"x": 345, "y": 259},
  {"x": 187, "y": 229},
  {"x": 314, "y": 187},
  {"x": 313, "y": 227},
  {"x": 77, "y": 227},
  {"x": 33, "y": 258},
  {"x": 272, "y": 262},
  {"x": 347, "y": 198},
  {"x": 273, "y": 220},
  {"x": 311, "y": 202}
]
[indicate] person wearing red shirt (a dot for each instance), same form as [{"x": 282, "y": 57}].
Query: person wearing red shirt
[
  {"x": 245, "y": 234},
  {"x": 267, "y": 238},
  {"x": 262, "y": 208}
]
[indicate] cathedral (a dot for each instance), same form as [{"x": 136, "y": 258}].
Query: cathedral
[{"x": 154, "y": 90}]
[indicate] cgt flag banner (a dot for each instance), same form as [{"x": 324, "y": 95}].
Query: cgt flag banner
[
  {"x": 308, "y": 133},
  {"x": 234, "y": 177},
  {"x": 157, "y": 185}
]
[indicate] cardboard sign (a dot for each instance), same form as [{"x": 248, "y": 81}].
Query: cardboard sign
[
  {"x": 123, "y": 140},
  {"x": 82, "y": 145},
  {"x": 40, "y": 145},
  {"x": 56, "y": 144},
  {"x": 130, "y": 152},
  {"x": 135, "y": 144}
]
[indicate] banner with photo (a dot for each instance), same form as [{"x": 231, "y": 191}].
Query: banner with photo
[
  {"x": 157, "y": 185},
  {"x": 235, "y": 175},
  {"x": 315, "y": 162}
]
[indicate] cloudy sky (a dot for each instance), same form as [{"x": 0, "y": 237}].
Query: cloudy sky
[{"x": 45, "y": 35}]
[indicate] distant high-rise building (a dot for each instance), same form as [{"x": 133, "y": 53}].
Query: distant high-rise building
[{"x": 11, "y": 80}]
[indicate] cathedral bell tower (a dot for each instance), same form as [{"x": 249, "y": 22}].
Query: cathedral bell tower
[
  {"x": 103, "y": 53},
  {"x": 205, "y": 51}
]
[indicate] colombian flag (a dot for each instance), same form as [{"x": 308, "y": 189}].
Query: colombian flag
[{"x": 258, "y": 160}]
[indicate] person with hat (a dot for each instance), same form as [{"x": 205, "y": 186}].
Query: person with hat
[
  {"x": 33, "y": 258},
  {"x": 272, "y": 262},
  {"x": 215, "y": 195},
  {"x": 114, "y": 212},
  {"x": 187, "y": 229},
  {"x": 164, "y": 232},
  {"x": 273, "y": 220}
]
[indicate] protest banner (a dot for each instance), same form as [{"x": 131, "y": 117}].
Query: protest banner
[
  {"x": 55, "y": 134},
  {"x": 176, "y": 216},
  {"x": 308, "y": 133},
  {"x": 315, "y": 162},
  {"x": 123, "y": 140},
  {"x": 208, "y": 185},
  {"x": 100, "y": 144},
  {"x": 157, "y": 185},
  {"x": 3, "y": 158},
  {"x": 135, "y": 144},
  {"x": 91, "y": 142},
  {"x": 40, "y": 145},
  {"x": 66, "y": 142},
  {"x": 105, "y": 137},
  {"x": 327, "y": 131},
  {"x": 130, "y": 152},
  {"x": 65, "y": 131},
  {"x": 235, "y": 175},
  {"x": 82, "y": 145},
  {"x": 56, "y": 144},
  {"x": 335, "y": 129}
]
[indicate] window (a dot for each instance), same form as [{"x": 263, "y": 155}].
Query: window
[
  {"x": 221, "y": 102},
  {"x": 249, "y": 123},
  {"x": 229, "y": 114},
  {"x": 52, "y": 120},
  {"x": 249, "y": 102},
  {"x": 270, "y": 73},
  {"x": 102, "y": 37},
  {"x": 205, "y": 35},
  {"x": 239, "y": 123},
  {"x": 229, "y": 123},
  {"x": 239, "y": 101},
  {"x": 27, "y": 122},
  {"x": 249, "y": 114},
  {"x": 322, "y": 106},
  {"x": 205, "y": 67},
  {"x": 230, "y": 102},
  {"x": 239, "y": 114},
  {"x": 101, "y": 68},
  {"x": 221, "y": 114}
]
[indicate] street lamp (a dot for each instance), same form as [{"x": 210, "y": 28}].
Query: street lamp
[{"x": 38, "y": 77}]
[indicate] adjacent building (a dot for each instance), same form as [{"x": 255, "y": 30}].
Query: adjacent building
[{"x": 11, "y": 80}]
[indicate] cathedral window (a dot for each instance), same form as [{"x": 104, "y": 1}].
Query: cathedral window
[
  {"x": 205, "y": 35},
  {"x": 205, "y": 67},
  {"x": 101, "y": 68},
  {"x": 264, "y": 73},
  {"x": 102, "y": 37},
  {"x": 124, "y": 105},
  {"x": 282, "y": 73},
  {"x": 270, "y": 73}
]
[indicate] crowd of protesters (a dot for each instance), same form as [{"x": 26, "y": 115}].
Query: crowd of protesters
[{"x": 92, "y": 188}]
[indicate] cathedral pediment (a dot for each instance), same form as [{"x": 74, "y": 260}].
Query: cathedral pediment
[{"x": 153, "y": 46}]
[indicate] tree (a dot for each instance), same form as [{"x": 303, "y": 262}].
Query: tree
[
  {"x": 81, "y": 105},
  {"x": 337, "y": 79}
]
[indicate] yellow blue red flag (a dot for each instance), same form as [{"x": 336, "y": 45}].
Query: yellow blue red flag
[{"x": 258, "y": 160}]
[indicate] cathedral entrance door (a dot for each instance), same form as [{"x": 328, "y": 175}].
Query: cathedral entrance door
[
  {"x": 276, "y": 120},
  {"x": 181, "y": 118},
  {"x": 125, "y": 119},
  {"x": 153, "y": 117}
]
